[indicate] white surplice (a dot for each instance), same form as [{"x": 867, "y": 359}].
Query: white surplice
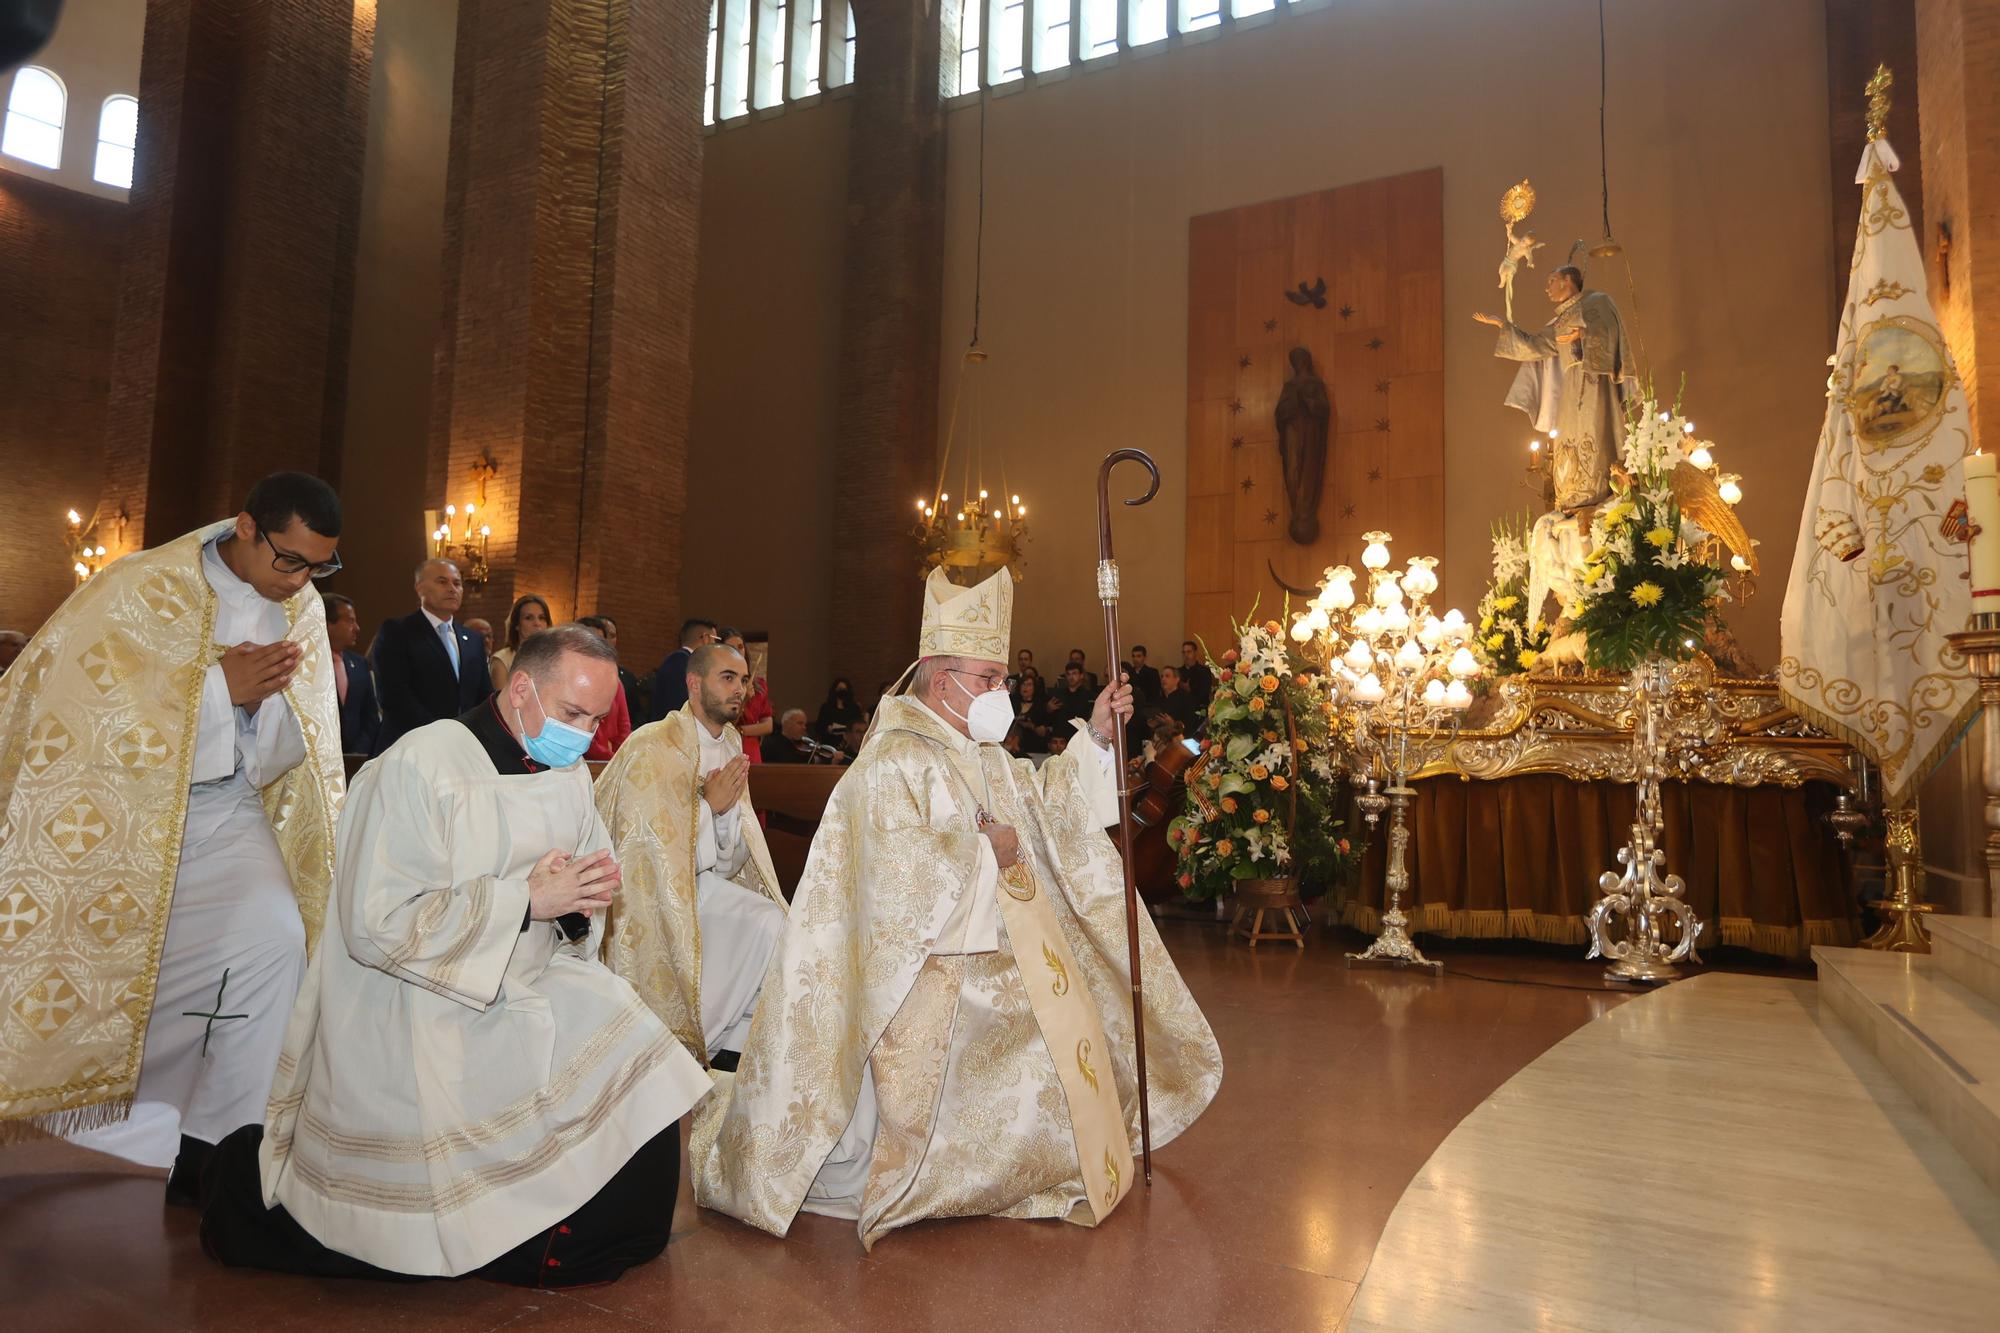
[
  {"x": 972, "y": 928},
  {"x": 455, "y": 1078},
  {"x": 740, "y": 927},
  {"x": 235, "y": 948}
]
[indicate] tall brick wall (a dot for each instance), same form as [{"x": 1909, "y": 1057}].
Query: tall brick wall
[
  {"x": 571, "y": 226},
  {"x": 1958, "y": 55},
  {"x": 230, "y": 353},
  {"x": 59, "y": 254},
  {"x": 892, "y": 273}
]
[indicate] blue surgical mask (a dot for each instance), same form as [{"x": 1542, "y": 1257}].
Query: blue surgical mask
[{"x": 559, "y": 744}]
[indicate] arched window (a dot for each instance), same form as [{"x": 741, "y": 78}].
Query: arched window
[
  {"x": 117, "y": 136},
  {"x": 33, "y": 131}
]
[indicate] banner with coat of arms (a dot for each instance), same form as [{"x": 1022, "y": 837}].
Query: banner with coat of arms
[{"x": 1879, "y": 576}]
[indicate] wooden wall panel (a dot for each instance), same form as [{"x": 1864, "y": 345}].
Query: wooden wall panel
[{"x": 1378, "y": 343}]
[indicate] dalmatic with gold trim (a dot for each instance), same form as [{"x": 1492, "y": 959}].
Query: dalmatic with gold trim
[
  {"x": 650, "y": 800},
  {"x": 97, "y": 728},
  {"x": 1000, "y": 1080},
  {"x": 456, "y": 1077}
]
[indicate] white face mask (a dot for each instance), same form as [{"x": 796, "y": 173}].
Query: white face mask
[{"x": 991, "y": 716}]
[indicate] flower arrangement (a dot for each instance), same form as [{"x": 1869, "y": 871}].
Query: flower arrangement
[
  {"x": 1649, "y": 583},
  {"x": 1264, "y": 800},
  {"x": 1511, "y": 637}
]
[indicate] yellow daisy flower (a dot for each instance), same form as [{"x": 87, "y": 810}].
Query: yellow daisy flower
[
  {"x": 1648, "y": 594},
  {"x": 1496, "y": 642},
  {"x": 1528, "y": 658},
  {"x": 1661, "y": 538}
]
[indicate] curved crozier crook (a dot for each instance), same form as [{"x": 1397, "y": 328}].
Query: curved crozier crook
[{"x": 1112, "y": 460}]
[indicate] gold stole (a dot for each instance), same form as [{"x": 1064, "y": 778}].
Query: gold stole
[{"x": 1062, "y": 1006}]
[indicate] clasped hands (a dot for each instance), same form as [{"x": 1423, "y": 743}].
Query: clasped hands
[
  {"x": 256, "y": 671},
  {"x": 561, "y": 884},
  {"x": 723, "y": 788}
]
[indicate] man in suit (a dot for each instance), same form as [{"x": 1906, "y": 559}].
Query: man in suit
[
  {"x": 1145, "y": 679},
  {"x": 670, "y": 686},
  {"x": 1200, "y": 680},
  {"x": 353, "y": 678},
  {"x": 427, "y": 667},
  {"x": 1089, "y": 677}
]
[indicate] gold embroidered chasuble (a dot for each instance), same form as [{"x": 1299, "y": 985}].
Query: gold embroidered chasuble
[
  {"x": 1004, "y": 1079},
  {"x": 650, "y": 799},
  {"x": 97, "y": 731}
]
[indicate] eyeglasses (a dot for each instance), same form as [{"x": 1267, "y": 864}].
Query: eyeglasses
[
  {"x": 291, "y": 562},
  {"x": 992, "y": 680}
]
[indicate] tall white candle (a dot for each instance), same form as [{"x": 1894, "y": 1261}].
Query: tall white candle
[{"x": 1982, "y": 505}]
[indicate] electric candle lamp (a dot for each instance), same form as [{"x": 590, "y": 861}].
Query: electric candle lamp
[
  {"x": 1369, "y": 689},
  {"x": 1729, "y": 490},
  {"x": 1463, "y": 664},
  {"x": 1434, "y": 693},
  {"x": 1982, "y": 505},
  {"x": 1376, "y": 554},
  {"x": 1410, "y": 657},
  {"x": 1359, "y": 657},
  {"x": 1457, "y": 696}
]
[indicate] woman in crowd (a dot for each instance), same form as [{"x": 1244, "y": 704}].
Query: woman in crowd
[
  {"x": 757, "y": 721},
  {"x": 530, "y": 613},
  {"x": 1031, "y": 724},
  {"x": 839, "y": 714}
]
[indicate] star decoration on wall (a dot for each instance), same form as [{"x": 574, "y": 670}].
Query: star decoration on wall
[
  {"x": 1381, "y": 386},
  {"x": 1374, "y": 474},
  {"x": 1270, "y": 325},
  {"x": 1243, "y": 363},
  {"x": 1236, "y": 442},
  {"x": 1347, "y": 312},
  {"x": 1382, "y": 424},
  {"x": 1248, "y": 485},
  {"x": 1347, "y": 511},
  {"x": 1270, "y": 516},
  {"x": 1235, "y": 406},
  {"x": 1376, "y": 344}
]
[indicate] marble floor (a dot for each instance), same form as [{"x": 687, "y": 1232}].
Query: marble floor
[
  {"x": 1722, "y": 1154},
  {"x": 1340, "y": 1085}
]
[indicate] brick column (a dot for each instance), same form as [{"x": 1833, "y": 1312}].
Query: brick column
[
  {"x": 1958, "y": 62},
  {"x": 570, "y": 236},
  {"x": 229, "y": 359},
  {"x": 886, "y": 447}
]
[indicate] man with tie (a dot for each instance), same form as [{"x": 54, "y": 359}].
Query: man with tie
[
  {"x": 428, "y": 667},
  {"x": 353, "y": 678}
]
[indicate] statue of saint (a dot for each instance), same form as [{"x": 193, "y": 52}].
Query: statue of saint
[
  {"x": 1305, "y": 418},
  {"x": 1571, "y": 384}
]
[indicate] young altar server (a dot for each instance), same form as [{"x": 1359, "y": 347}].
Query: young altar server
[
  {"x": 170, "y": 774},
  {"x": 947, "y": 1028},
  {"x": 700, "y": 911},
  {"x": 465, "y": 1088}
]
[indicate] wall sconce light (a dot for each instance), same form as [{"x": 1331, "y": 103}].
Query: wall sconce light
[
  {"x": 463, "y": 538},
  {"x": 86, "y": 550}
]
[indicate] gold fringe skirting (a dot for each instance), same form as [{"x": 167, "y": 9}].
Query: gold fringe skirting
[{"x": 1519, "y": 858}]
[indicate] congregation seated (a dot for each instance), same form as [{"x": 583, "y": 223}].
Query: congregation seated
[
  {"x": 1178, "y": 703},
  {"x": 841, "y": 713},
  {"x": 790, "y": 744}
]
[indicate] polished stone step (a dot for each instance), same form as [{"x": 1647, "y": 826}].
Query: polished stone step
[
  {"x": 1939, "y": 1038},
  {"x": 1968, "y": 948}
]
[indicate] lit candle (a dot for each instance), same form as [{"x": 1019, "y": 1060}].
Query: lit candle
[
  {"x": 1369, "y": 690},
  {"x": 1982, "y": 504},
  {"x": 1457, "y": 696},
  {"x": 1434, "y": 693}
]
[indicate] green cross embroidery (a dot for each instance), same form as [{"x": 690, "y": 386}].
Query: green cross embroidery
[{"x": 213, "y": 1018}]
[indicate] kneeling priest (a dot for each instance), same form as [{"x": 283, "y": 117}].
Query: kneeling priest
[{"x": 465, "y": 1088}]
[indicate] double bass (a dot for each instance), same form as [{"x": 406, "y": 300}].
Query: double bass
[{"x": 1159, "y": 795}]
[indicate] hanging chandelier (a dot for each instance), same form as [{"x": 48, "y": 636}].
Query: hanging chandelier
[{"x": 982, "y": 532}]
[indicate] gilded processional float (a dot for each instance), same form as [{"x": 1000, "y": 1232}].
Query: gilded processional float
[{"x": 1585, "y": 760}]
